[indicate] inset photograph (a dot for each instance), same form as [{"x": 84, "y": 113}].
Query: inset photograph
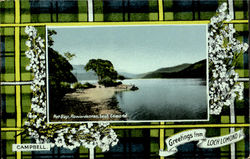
[{"x": 139, "y": 73}]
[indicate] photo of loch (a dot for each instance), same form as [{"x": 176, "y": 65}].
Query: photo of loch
[{"x": 139, "y": 73}]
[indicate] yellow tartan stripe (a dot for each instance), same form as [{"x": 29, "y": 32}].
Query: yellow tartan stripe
[
  {"x": 11, "y": 129},
  {"x": 17, "y": 54},
  {"x": 122, "y": 23},
  {"x": 18, "y": 141},
  {"x": 160, "y": 5},
  {"x": 17, "y": 75},
  {"x": 17, "y": 11},
  {"x": 162, "y": 138},
  {"x": 180, "y": 126},
  {"x": 18, "y": 107}
]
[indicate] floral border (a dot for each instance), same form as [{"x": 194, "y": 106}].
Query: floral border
[
  {"x": 223, "y": 51},
  {"x": 68, "y": 136}
]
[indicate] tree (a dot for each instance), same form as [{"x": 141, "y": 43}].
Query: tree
[
  {"x": 60, "y": 74},
  {"x": 50, "y": 39},
  {"x": 69, "y": 55},
  {"x": 105, "y": 71},
  {"x": 102, "y": 68}
]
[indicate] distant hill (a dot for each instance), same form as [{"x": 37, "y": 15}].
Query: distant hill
[
  {"x": 127, "y": 75},
  {"x": 196, "y": 70},
  {"x": 164, "y": 70},
  {"x": 186, "y": 70},
  {"x": 81, "y": 74},
  {"x": 174, "y": 68}
]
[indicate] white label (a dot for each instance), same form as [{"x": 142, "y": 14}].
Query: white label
[{"x": 31, "y": 147}]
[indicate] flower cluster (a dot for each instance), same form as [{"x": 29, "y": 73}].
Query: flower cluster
[
  {"x": 68, "y": 136},
  {"x": 223, "y": 51}
]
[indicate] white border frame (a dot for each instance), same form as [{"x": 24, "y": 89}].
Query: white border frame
[{"x": 137, "y": 121}]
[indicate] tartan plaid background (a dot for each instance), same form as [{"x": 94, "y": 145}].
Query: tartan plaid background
[{"x": 134, "y": 143}]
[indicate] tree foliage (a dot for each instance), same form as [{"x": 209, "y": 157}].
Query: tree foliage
[
  {"x": 69, "y": 55},
  {"x": 50, "y": 39},
  {"x": 103, "y": 68},
  {"x": 105, "y": 71},
  {"x": 59, "y": 71}
]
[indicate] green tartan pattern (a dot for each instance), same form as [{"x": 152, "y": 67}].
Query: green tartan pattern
[
  {"x": 190, "y": 10},
  {"x": 240, "y": 9},
  {"x": 8, "y": 106},
  {"x": 7, "y": 10},
  {"x": 128, "y": 10},
  {"x": 200, "y": 10},
  {"x": 54, "y": 11},
  {"x": 125, "y": 10},
  {"x": 7, "y": 54}
]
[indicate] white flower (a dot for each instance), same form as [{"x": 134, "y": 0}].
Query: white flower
[
  {"x": 90, "y": 125},
  {"x": 104, "y": 124},
  {"x": 31, "y": 31},
  {"x": 40, "y": 42},
  {"x": 42, "y": 56},
  {"x": 27, "y": 68},
  {"x": 28, "y": 43},
  {"x": 223, "y": 7},
  {"x": 114, "y": 142},
  {"x": 245, "y": 47},
  {"x": 73, "y": 131},
  {"x": 26, "y": 123},
  {"x": 42, "y": 83},
  {"x": 60, "y": 141}
]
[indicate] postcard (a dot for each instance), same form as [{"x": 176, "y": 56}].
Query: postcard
[{"x": 131, "y": 79}]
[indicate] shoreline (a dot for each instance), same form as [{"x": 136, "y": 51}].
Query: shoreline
[{"x": 99, "y": 103}]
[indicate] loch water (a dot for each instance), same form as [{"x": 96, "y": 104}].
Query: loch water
[{"x": 165, "y": 99}]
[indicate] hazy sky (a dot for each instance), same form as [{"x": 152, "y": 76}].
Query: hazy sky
[{"x": 134, "y": 49}]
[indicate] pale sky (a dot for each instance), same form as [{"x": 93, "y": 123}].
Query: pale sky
[{"x": 134, "y": 49}]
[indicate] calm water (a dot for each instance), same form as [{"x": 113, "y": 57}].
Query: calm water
[{"x": 165, "y": 99}]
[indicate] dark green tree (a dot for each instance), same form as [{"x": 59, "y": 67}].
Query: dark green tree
[
  {"x": 60, "y": 74},
  {"x": 102, "y": 68},
  {"x": 105, "y": 71},
  {"x": 69, "y": 55},
  {"x": 50, "y": 39}
]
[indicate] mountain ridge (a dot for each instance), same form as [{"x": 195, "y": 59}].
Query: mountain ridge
[
  {"x": 185, "y": 70},
  {"x": 195, "y": 70}
]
